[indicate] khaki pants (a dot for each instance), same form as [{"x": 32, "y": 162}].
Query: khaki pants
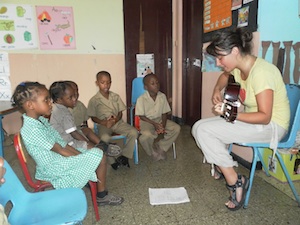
[
  {"x": 148, "y": 135},
  {"x": 3, "y": 218},
  {"x": 124, "y": 129}
]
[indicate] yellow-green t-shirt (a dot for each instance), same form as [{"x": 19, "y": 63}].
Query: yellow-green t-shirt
[{"x": 264, "y": 75}]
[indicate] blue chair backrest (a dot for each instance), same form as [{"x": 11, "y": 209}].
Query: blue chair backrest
[
  {"x": 12, "y": 190},
  {"x": 293, "y": 92},
  {"x": 137, "y": 89}
]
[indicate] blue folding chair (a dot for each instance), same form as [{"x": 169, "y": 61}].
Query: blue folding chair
[
  {"x": 287, "y": 142},
  {"x": 137, "y": 91},
  {"x": 53, "y": 207}
]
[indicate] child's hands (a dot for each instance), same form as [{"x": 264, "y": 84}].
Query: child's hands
[
  {"x": 111, "y": 121},
  {"x": 159, "y": 128}
]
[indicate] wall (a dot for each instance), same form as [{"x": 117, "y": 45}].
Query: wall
[
  {"x": 98, "y": 23},
  {"x": 278, "y": 22}
]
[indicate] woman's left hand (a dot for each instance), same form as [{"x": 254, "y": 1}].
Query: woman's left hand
[{"x": 219, "y": 108}]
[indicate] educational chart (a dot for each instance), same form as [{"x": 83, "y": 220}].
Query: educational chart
[
  {"x": 17, "y": 27},
  {"x": 217, "y": 15},
  {"x": 55, "y": 27},
  {"x": 5, "y": 85},
  {"x": 144, "y": 64}
]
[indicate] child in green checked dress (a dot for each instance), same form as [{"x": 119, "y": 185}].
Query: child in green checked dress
[{"x": 57, "y": 162}]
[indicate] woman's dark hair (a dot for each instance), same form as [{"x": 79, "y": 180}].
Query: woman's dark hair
[
  {"x": 105, "y": 73},
  {"x": 226, "y": 40},
  {"x": 57, "y": 89},
  {"x": 26, "y": 91}
]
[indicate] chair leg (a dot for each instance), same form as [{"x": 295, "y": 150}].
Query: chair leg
[
  {"x": 252, "y": 172},
  {"x": 174, "y": 150},
  {"x": 288, "y": 177},
  {"x": 93, "y": 187},
  {"x": 136, "y": 153},
  {"x": 263, "y": 163},
  {"x": 230, "y": 148}
]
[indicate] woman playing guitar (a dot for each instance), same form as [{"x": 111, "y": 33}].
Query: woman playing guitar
[{"x": 265, "y": 117}]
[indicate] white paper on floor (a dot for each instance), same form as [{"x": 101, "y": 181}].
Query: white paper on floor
[{"x": 162, "y": 196}]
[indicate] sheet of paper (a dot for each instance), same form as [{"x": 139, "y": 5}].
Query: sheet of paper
[{"x": 162, "y": 196}]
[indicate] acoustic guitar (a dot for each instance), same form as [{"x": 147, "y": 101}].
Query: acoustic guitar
[{"x": 231, "y": 105}]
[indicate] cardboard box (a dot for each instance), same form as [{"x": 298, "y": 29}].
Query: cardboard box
[{"x": 289, "y": 161}]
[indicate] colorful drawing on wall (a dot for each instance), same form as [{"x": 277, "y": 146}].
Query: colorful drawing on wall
[
  {"x": 17, "y": 28},
  {"x": 55, "y": 27},
  {"x": 209, "y": 63},
  {"x": 243, "y": 17}
]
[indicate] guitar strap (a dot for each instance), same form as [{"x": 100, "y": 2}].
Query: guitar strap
[
  {"x": 274, "y": 141},
  {"x": 231, "y": 79}
]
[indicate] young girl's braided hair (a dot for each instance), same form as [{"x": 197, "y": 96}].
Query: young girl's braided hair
[
  {"x": 26, "y": 91},
  {"x": 57, "y": 89}
]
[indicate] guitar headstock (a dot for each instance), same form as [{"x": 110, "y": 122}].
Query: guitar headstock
[{"x": 230, "y": 111}]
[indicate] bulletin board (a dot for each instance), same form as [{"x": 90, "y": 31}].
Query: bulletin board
[{"x": 243, "y": 15}]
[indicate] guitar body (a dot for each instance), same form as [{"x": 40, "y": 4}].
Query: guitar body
[{"x": 230, "y": 107}]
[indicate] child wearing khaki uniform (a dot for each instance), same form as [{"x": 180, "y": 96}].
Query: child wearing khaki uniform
[
  {"x": 105, "y": 108},
  {"x": 152, "y": 107}
]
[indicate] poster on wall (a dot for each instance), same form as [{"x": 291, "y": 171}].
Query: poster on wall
[
  {"x": 17, "y": 27},
  {"x": 209, "y": 63},
  {"x": 217, "y": 15},
  {"x": 243, "y": 17},
  {"x": 144, "y": 64},
  {"x": 55, "y": 27},
  {"x": 5, "y": 85}
]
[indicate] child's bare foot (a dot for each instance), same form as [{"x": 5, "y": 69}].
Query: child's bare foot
[
  {"x": 155, "y": 156},
  {"x": 161, "y": 152}
]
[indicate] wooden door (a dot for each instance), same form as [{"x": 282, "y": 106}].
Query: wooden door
[
  {"x": 192, "y": 57},
  {"x": 148, "y": 29}
]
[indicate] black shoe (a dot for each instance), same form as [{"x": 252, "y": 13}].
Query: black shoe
[
  {"x": 123, "y": 161},
  {"x": 115, "y": 165}
]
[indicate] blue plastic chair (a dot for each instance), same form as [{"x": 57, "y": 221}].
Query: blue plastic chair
[
  {"x": 113, "y": 137},
  {"x": 62, "y": 206},
  {"x": 137, "y": 91},
  {"x": 287, "y": 142}
]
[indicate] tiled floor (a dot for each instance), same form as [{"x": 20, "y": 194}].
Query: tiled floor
[{"x": 267, "y": 204}]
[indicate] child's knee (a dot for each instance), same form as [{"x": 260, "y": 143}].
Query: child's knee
[
  {"x": 145, "y": 137},
  {"x": 177, "y": 128},
  {"x": 133, "y": 133}
]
